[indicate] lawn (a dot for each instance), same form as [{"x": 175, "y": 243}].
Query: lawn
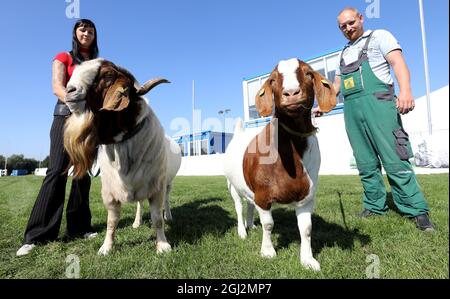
[{"x": 205, "y": 243}]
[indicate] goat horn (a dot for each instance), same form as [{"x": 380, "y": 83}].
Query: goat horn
[{"x": 150, "y": 84}]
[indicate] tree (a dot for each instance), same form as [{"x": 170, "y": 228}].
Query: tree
[
  {"x": 2, "y": 162},
  {"x": 20, "y": 162},
  {"x": 13, "y": 161},
  {"x": 45, "y": 162}
]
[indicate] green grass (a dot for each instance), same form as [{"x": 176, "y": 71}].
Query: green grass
[{"x": 205, "y": 243}]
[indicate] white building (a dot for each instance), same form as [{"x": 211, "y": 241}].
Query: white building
[{"x": 203, "y": 143}]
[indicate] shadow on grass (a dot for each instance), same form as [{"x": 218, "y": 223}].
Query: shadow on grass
[
  {"x": 190, "y": 221},
  {"x": 390, "y": 203},
  {"x": 123, "y": 223},
  {"x": 324, "y": 234},
  {"x": 195, "y": 219}
]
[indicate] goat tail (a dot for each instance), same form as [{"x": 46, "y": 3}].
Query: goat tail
[
  {"x": 80, "y": 142},
  {"x": 239, "y": 126}
]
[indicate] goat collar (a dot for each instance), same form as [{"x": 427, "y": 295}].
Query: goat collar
[
  {"x": 298, "y": 134},
  {"x": 135, "y": 130},
  {"x": 111, "y": 153}
]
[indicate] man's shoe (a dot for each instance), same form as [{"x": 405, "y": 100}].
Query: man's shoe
[
  {"x": 423, "y": 223},
  {"x": 25, "y": 249},
  {"x": 366, "y": 213}
]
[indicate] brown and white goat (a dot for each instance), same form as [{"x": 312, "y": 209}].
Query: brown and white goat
[
  {"x": 281, "y": 163},
  {"x": 109, "y": 113}
]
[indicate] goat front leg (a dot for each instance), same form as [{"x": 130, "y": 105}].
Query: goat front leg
[
  {"x": 156, "y": 203},
  {"x": 305, "y": 227},
  {"x": 250, "y": 212},
  {"x": 242, "y": 232},
  {"x": 113, "y": 208},
  {"x": 267, "y": 223},
  {"x": 139, "y": 211}
]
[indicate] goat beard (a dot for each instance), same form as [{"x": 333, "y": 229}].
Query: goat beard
[{"x": 80, "y": 142}]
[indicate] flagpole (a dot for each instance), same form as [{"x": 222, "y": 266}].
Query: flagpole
[
  {"x": 425, "y": 61},
  {"x": 193, "y": 116}
]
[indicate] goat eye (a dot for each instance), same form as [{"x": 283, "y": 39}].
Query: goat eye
[{"x": 109, "y": 76}]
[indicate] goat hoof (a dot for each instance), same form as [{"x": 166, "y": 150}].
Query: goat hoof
[
  {"x": 252, "y": 226},
  {"x": 162, "y": 247},
  {"x": 242, "y": 232},
  {"x": 268, "y": 253},
  {"x": 104, "y": 250},
  {"x": 136, "y": 224},
  {"x": 311, "y": 263}
]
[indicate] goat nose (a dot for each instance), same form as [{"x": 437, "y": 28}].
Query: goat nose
[
  {"x": 70, "y": 89},
  {"x": 291, "y": 92}
]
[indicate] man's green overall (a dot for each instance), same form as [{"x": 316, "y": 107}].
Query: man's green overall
[{"x": 375, "y": 131}]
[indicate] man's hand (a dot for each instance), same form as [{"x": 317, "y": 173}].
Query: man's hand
[
  {"x": 405, "y": 101},
  {"x": 316, "y": 112}
]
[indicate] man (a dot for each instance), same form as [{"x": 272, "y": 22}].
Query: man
[{"x": 372, "y": 117}]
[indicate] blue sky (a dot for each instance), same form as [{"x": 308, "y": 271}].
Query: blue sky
[{"x": 216, "y": 43}]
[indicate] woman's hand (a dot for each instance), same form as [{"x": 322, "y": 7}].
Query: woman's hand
[{"x": 59, "y": 79}]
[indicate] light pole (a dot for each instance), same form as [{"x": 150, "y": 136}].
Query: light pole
[
  {"x": 425, "y": 62},
  {"x": 193, "y": 119},
  {"x": 223, "y": 113}
]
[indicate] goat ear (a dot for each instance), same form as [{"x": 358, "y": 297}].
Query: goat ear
[
  {"x": 264, "y": 99},
  {"x": 116, "y": 99},
  {"x": 324, "y": 91}
]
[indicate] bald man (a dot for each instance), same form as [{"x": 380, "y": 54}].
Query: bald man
[{"x": 372, "y": 117}]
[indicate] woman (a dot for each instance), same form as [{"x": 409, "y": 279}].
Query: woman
[{"x": 45, "y": 219}]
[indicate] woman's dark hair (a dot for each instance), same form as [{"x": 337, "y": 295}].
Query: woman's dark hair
[{"x": 77, "y": 58}]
